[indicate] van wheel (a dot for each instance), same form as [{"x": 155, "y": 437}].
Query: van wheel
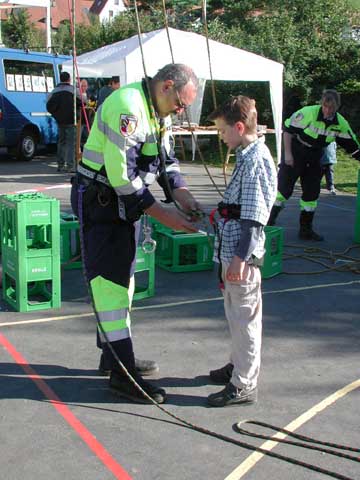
[{"x": 26, "y": 148}]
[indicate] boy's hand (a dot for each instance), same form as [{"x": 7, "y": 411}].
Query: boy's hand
[{"x": 237, "y": 270}]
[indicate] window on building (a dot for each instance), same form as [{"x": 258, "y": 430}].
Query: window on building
[{"x": 111, "y": 14}]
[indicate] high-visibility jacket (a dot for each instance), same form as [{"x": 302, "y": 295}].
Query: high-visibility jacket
[
  {"x": 311, "y": 128},
  {"x": 123, "y": 146}
]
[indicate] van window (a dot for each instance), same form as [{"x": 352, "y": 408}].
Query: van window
[{"x": 22, "y": 76}]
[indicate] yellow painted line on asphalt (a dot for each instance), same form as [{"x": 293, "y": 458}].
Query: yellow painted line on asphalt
[
  {"x": 49, "y": 319},
  {"x": 252, "y": 460},
  {"x": 177, "y": 304}
]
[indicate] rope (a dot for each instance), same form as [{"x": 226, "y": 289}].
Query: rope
[
  {"x": 167, "y": 30},
  {"x": 304, "y": 438},
  {"x": 314, "y": 254},
  {"x": 193, "y": 137},
  {"x": 204, "y": 15}
]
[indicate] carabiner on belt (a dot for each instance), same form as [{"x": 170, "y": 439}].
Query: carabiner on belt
[{"x": 148, "y": 245}]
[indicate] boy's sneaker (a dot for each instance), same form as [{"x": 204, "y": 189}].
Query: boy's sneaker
[
  {"x": 232, "y": 395},
  {"x": 222, "y": 376},
  {"x": 333, "y": 190},
  {"x": 143, "y": 367},
  {"x": 123, "y": 387}
]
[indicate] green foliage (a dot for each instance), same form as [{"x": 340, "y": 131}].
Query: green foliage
[
  {"x": 99, "y": 34},
  {"x": 19, "y": 32},
  {"x": 307, "y": 37}
]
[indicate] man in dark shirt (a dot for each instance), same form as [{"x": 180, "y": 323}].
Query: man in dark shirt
[{"x": 60, "y": 104}]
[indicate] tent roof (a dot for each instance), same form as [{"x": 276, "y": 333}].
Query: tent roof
[{"x": 227, "y": 62}]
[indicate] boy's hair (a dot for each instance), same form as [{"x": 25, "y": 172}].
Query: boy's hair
[
  {"x": 237, "y": 109},
  {"x": 331, "y": 96},
  {"x": 64, "y": 77}
]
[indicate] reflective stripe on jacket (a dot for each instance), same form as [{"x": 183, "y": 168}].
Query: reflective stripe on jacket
[{"x": 311, "y": 127}]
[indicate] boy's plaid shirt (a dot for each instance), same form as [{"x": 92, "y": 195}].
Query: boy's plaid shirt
[{"x": 253, "y": 186}]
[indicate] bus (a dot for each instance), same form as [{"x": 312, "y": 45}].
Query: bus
[{"x": 26, "y": 78}]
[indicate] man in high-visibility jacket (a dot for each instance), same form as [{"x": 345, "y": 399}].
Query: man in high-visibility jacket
[
  {"x": 121, "y": 158},
  {"x": 307, "y": 132}
]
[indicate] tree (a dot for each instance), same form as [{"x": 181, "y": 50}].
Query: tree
[
  {"x": 307, "y": 37},
  {"x": 19, "y": 32}
]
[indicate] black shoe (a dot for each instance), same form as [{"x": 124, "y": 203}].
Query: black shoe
[
  {"x": 305, "y": 234},
  {"x": 232, "y": 396},
  {"x": 61, "y": 169},
  {"x": 222, "y": 376},
  {"x": 146, "y": 367},
  {"x": 143, "y": 367},
  {"x": 123, "y": 387}
]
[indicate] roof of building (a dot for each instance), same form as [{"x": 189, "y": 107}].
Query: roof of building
[
  {"x": 59, "y": 13},
  {"x": 98, "y": 6}
]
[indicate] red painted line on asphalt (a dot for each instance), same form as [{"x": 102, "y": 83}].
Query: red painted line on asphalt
[{"x": 66, "y": 413}]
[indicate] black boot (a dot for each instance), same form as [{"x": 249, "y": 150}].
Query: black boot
[
  {"x": 143, "y": 367},
  {"x": 276, "y": 209},
  {"x": 306, "y": 232}
]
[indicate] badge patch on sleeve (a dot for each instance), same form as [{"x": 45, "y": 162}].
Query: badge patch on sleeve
[
  {"x": 128, "y": 124},
  {"x": 297, "y": 119}
]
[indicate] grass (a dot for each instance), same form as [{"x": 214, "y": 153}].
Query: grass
[
  {"x": 346, "y": 173},
  {"x": 355, "y": 3}
]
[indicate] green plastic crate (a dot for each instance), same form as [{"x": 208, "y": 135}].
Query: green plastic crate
[
  {"x": 70, "y": 250},
  {"x": 357, "y": 216},
  {"x": 144, "y": 266},
  {"x": 274, "y": 245},
  {"x": 30, "y": 251},
  {"x": 184, "y": 252}
]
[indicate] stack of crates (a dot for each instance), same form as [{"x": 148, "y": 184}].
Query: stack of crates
[
  {"x": 182, "y": 252},
  {"x": 70, "y": 255},
  {"x": 357, "y": 217},
  {"x": 274, "y": 245},
  {"x": 30, "y": 232},
  {"x": 70, "y": 250},
  {"x": 144, "y": 266}
]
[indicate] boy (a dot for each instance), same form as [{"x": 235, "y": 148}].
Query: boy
[{"x": 244, "y": 211}]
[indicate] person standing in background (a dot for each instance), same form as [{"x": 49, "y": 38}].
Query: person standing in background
[
  {"x": 307, "y": 132},
  {"x": 327, "y": 161},
  {"x": 106, "y": 90},
  {"x": 60, "y": 104}
]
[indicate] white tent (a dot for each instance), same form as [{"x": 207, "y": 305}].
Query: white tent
[{"x": 227, "y": 63}]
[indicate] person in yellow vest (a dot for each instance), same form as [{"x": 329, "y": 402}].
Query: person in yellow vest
[
  {"x": 129, "y": 147},
  {"x": 307, "y": 133}
]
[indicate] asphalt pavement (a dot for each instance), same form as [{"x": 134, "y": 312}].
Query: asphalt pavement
[{"x": 58, "y": 419}]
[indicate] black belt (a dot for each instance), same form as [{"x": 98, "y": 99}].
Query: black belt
[
  {"x": 229, "y": 210},
  {"x": 92, "y": 175}
]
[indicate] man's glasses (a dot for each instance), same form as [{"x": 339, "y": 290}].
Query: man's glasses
[{"x": 179, "y": 102}]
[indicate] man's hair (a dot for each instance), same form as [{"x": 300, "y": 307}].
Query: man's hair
[
  {"x": 64, "y": 77},
  {"x": 237, "y": 109},
  {"x": 331, "y": 96},
  {"x": 115, "y": 79},
  {"x": 179, "y": 73}
]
